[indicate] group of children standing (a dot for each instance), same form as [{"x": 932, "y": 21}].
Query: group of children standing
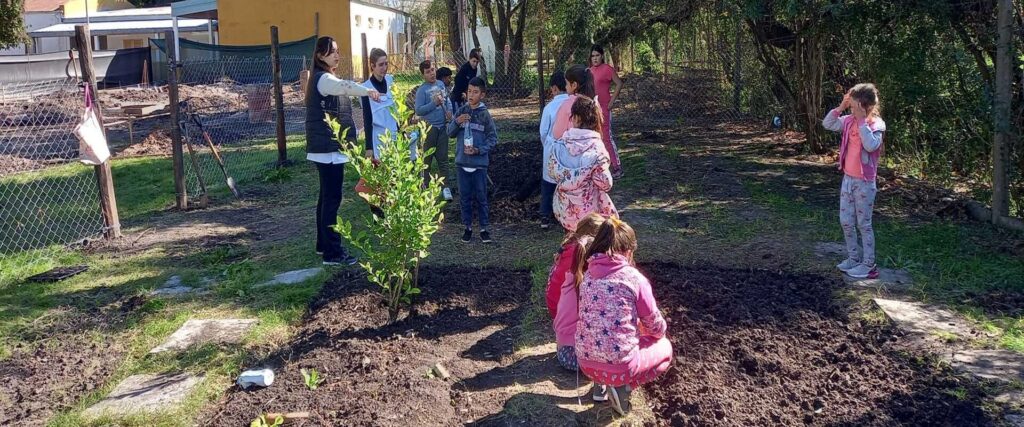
[
  {"x": 606, "y": 321},
  {"x": 464, "y": 116}
]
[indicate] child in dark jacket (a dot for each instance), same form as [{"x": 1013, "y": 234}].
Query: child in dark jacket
[{"x": 476, "y": 137}]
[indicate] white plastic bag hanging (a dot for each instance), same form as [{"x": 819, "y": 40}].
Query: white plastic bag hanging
[{"x": 92, "y": 143}]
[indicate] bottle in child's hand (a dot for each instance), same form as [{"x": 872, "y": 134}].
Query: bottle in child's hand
[{"x": 468, "y": 139}]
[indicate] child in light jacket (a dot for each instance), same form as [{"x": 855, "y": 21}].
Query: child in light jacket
[
  {"x": 581, "y": 168},
  {"x": 620, "y": 335},
  {"x": 859, "y": 154},
  {"x": 563, "y": 282}
]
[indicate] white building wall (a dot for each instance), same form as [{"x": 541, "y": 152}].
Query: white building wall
[
  {"x": 385, "y": 24},
  {"x": 35, "y": 21}
]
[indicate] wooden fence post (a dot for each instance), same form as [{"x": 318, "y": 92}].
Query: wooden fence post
[
  {"x": 104, "y": 176},
  {"x": 540, "y": 73},
  {"x": 366, "y": 58},
  {"x": 275, "y": 55},
  {"x": 178, "y": 158}
]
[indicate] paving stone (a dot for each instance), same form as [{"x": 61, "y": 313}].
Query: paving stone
[
  {"x": 922, "y": 319},
  {"x": 145, "y": 393},
  {"x": 210, "y": 331},
  {"x": 1014, "y": 420},
  {"x": 1013, "y": 398},
  {"x": 894, "y": 280},
  {"x": 292, "y": 277},
  {"x": 174, "y": 287},
  {"x": 830, "y": 250},
  {"x": 1004, "y": 365}
]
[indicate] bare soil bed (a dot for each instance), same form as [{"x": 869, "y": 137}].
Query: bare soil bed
[
  {"x": 60, "y": 364},
  {"x": 758, "y": 347},
  {"x": 515, "y": 183},
  {"x": 377, "y": 375}
]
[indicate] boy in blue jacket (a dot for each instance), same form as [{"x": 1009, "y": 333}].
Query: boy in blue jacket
[{"x": 476, "y": 137}]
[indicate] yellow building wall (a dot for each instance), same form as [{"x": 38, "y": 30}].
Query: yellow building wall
[
  {"x": 76, "y": 8},
  {"x": 248, "y": 22}
]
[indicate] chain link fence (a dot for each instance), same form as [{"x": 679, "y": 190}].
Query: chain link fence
[
  {"x": 228, "y": 120},
  {"x": 47, "y": 197}
]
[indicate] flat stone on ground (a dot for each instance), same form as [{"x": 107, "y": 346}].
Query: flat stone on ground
[
  {"x": 145, "y": 393},
  {"x": 830, "y": 250},
  {"x": 292, "y": 277},
  {"x": 1003, "y": 365},
  {"x": 210, "y": 331},
  {"x": 921, "y": 319},
  {"x": 1013, "y": 398},
  {"x": 174, "y": 287},
  {"x": 887, "y": 279}
]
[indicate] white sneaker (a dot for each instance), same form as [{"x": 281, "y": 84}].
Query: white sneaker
[
  {"x": 447, "y": 194},
  {"x": 861, "y": 271},
  {"x": 599, "y": 393},
  {"x": 847, "y": 265}
]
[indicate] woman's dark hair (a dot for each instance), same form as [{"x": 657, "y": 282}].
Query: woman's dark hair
[
  {"x": 476, "y": 53},
  {"x": 599, "y": 49},
  {"x": 580, "y": 75},
  {"x": 324, "y": 47},
  {"x": 586, "y": 111}
]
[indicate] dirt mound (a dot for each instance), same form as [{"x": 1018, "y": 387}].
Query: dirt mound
[
  {"x": 515, "y": 184},
  {"x": 753, "y": 346},
  {"x": 377, "y": 375},
  {"x": 157, "y": 143}
]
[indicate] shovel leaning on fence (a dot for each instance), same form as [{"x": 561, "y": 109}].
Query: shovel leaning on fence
[{"x": 194, "y": 118}]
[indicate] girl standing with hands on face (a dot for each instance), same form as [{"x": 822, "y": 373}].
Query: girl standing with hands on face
[
  {"x": 859, "y": 154},
  {"x": 323, "y": 148}
]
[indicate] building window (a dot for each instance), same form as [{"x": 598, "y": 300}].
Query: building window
[
  {"x": 380, "y": 24},
  {"x": 369, "y": 22},
  {"x": 359, "y": 20},
  {"x": 132, "y": 43}
]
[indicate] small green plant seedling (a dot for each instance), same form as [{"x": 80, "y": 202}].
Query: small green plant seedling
[
  {"x": 262, "y": 422},
  {"x": 311, "y": 378}
]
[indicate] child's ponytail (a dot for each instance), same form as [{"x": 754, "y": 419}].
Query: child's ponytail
[
  {"x": 586, "y": 228},
  {"x": 613, "y": 237}
]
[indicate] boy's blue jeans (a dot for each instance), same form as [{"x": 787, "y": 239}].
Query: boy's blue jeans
[{"x": 473, "y": 186}]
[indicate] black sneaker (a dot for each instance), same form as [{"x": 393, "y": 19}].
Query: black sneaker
[
  {"x": 468, "y": 235},
  {"x": 344, "y": 259},
  {"x": 545, "y": 223},
  {"x": 485, "y": 236},
  {"x": 620, "y": 399}
]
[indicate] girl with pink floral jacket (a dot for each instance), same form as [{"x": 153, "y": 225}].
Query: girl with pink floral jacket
[
  {"x": 620, "y": 335},
  {"x": 581, "y": 168}
]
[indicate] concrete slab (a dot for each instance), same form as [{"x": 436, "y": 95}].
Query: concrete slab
[
  {"x": 830, "y": 250},
  {"x": 210, "y": 331},
  {"x": 145, "y": 393},
  {"x": 174, "y": 286},
  {"x": 1002, "y": 365},
  {"x": 292, "y": 277},
  {"x": 893, "y": 280},
  {"x": 1012, "y": 398},
  {"x": 922, "y": 319}
]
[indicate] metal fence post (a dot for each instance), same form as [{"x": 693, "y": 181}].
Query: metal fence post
[{"x": 104, "y": 176}]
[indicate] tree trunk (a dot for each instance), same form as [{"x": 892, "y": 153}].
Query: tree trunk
[
  {"x": 1001, "y": 114},
  {"x": 811, "y": 73},
  {"x": 455, "y": 31}
]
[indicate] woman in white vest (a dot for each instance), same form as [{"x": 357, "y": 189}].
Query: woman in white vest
[{"x": 377, "y": 118}]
